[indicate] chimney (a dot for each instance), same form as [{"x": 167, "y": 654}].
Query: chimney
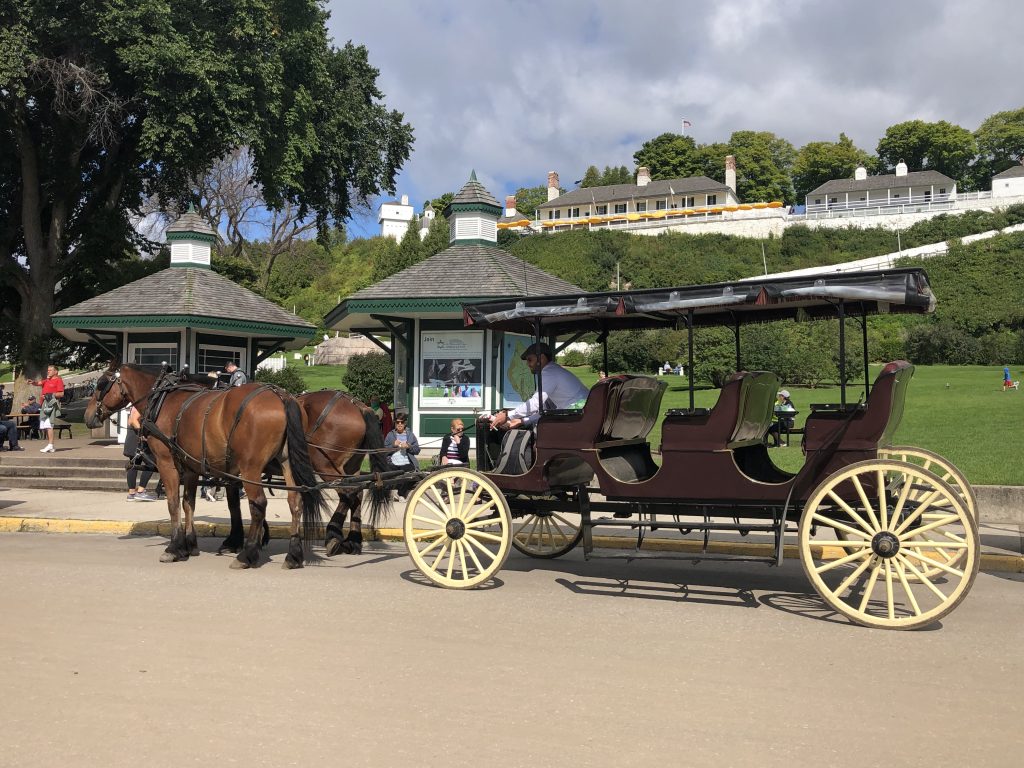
[
  {"x": 510, "y": 206},
  {"x": 553, "y": 188},
  {"x": 405, "y": 199},
  {"x": 901, "y": 168},
  {"x": 730, "y": 173},
  {"x": 860, "y": 174},
  {"x": 643, "y": 176}
]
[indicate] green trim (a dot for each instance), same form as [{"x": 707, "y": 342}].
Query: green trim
[
  {"x": 192, "y": 235},
  {"x": 190, "y": 265},
  {"x": 440, "y": 424},
  {"x": 474, "y": 241},
  {"x": 182, "y": 321},
  {"x": 468, "y": 207}
]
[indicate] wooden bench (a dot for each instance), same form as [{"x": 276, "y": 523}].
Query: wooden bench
[{"x": 59, "y": 426}]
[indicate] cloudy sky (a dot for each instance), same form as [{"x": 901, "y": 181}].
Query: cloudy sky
[{"x": 514, "y": 90}]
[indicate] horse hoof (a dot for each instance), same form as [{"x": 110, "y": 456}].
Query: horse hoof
[
  {"x": 290, "y": 563},
  {"x": 171, "y": 557},
  {"x": 239, "y": 564},
  {"x": 334, "y": 546},
  {"x": 351, "y": 548}
]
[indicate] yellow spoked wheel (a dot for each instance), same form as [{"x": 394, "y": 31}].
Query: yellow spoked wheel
[
  {"x": 910, "y": 548},
  {"x": 940, "y": 466},
  {"x": 545, "y": 534},
  {"x": 457, "y": 528}
]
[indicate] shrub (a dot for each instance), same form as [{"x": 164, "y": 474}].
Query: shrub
[
  {"x": 573, "y": 358},
  {"x": 287, "y": 379},
  {"x": 370, "y": 374}
]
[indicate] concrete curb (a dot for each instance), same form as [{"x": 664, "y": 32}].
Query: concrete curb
[{"x": 990, "y": 563}]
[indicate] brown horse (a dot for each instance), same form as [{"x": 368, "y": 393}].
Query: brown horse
[
  {"x": 341, "y": 430},
  {"x": 231, "y": 433}
]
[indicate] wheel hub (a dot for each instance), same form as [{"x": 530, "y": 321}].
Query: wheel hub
[
  {"x": 455, "y": 528},
  {"x": 885, "y": 544}
]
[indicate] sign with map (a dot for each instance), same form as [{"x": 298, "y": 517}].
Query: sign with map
[
  {"x": 518, "y": 382},
  {"x": 452, "y": 369}
]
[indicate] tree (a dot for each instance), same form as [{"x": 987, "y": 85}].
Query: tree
[
  {"x": 411, "y": 250},
  {"x": 368, "y": 375},
  {"x": 440, "y": 203},
  {"x": 1001, "y": 140},
  {"x": 438, "y": 236},
  {"x": 620, "y": 175},
  {"x": 105, "y": 104},
  {"x": 822, "y": 161},
  {"x": 940, "y": 146},
  {"x": 591, "y": 178},
  {"x": 763, "y": 166},
  {"x": 668, "y": 156},
  {"x": 384, "y": 257},
  {"x": 528, "y": 198}
]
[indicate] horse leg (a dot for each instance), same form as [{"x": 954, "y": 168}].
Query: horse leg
[
  {"x": 335, "y": 533},
  {"x": 189, "y": 502},
  {"x": 250, "y": 554},
  {"x": 295, "y": 556},
  {"x": 236, "y": 537},
  {"x": 353, "y": 544},
  {"x": 176, "y": 549}
]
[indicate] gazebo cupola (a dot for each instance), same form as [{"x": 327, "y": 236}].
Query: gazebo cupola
[
  {"x": 473, "y": 215},
  {"x": 191, "y": 239}
]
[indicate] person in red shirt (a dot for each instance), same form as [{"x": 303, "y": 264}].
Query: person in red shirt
[{"x": 53, "y": 389}]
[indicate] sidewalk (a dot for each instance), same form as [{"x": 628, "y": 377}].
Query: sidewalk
[{"x": 102, "y": 512}]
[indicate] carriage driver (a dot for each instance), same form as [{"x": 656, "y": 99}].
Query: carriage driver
[{"x": 561, "y": 390}]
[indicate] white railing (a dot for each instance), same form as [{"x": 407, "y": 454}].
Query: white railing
[{"x": 272, "y": 364}]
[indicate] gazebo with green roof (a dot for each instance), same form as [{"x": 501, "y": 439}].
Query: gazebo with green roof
[
  {"x": 186, "y": 314},
  {"x": 441, "y": 369}
]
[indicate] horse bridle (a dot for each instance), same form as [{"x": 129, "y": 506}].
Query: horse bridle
[{"x": 103, "y": 386}]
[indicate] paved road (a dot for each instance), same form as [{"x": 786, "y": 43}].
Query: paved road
[{"x": 108, "y": 658}]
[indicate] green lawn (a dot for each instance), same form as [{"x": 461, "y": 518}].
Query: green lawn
[
  {"x": 319, "y": 377},
  {"x": 959, "y": 412}
]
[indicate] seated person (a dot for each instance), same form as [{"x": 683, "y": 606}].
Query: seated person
[
  {"x": 405, "y": 443},
  {"x": 32, "y": 407},
  {"x": 455, "y": 445},
  {"x": 783, "y": 405},
  {"x": 561, "y": 390}
]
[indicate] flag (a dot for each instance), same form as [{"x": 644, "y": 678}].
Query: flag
[{"x": 687, "y": 124}]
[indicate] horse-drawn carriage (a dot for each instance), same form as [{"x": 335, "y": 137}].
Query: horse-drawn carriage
[{"x": 887, "y": 534}]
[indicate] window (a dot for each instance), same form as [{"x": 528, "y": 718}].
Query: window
[
  {"x": 712, "y": 199},
  {"x": 551, "y": 214},
  {"x": 817, "y": 201},
  {"x": 942, "y": 191},
  {"x": 833, "y": 200},
  {"x": 558, "y": 213},
  {"x": 602, "y": 210},
  {"x": 211, "y": 357},
  {"x": 927, "y": 194},
  {"x": 896, "y": 197},
  {"x": 689, "y": 202},
  {"x": 573, "y": 213},
  {"x": 660, "y": 205},
  {"x": 620, "y": 207},
  {"x": 154, "y": 353},
  {"x": 641, "y": 207}
]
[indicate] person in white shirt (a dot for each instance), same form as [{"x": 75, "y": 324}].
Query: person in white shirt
[{"x": 561, "y": 390}]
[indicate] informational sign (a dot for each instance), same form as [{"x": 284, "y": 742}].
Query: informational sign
[
  {"x": 452, "y": 372},
  {"x": 518, "y": 383}
]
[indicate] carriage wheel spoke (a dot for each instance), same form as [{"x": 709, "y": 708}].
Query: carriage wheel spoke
[
  {"x": 941, "y": 566},
  {"x": 843, "y": 560},
  {"x": 471, "y": 541},
  {"x": 535, "y": 519},
  {"x": 901, "y": 501},
  {"x": 851, "y": 578},
  {"x": 901, "y": 572},
  {"x": 890, "y": 603},
  {"x": 909, "y": 537},
  {"x": 867, "y": 504},
  {"x": 850, "y": 511},
  {"x": 870, "y": 586},
  {"x": 440, "y": 555},
  {"x": 883, "y": 516},
  {"x": 844, "y": 543},
  {"x": 429, "y": 521},
  {"x": 900, "y": 557},
  {"x": 420, "y": 535},
  {"x": 842, "y": 526},
  {"x": 925, "y": 502},
  {"x": 441, "y": 516},
  {"x": 473, "y": 557},
  {"x": 477, "y": 533},
  {"x": 477, "y": 524},
  {"x": 431, "y": 547}
]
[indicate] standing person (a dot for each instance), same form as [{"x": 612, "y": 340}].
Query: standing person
[
  {"x": 455, "y": 445},
  {"x": 238, "y": 377},
  {"x": 1007, "y": 378},
  {"x": 53, "y": 390},
  {"x": 136, "y": 452},
  {"x": 561, "y": 390}
]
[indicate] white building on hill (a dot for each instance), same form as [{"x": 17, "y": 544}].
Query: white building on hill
[
  {"x": 394, "y": 218},
  {"x": 895, "y": 189}
]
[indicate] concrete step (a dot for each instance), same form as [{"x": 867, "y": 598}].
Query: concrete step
[
  {"x": 41, "y": 470},
  {"x": 32, "y": 457},
  {"x": 117, "y": 485}
]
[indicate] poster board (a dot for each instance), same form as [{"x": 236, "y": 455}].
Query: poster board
[
  {"x": 451, "y": 369},
  {"x": 517, "y": 381}
]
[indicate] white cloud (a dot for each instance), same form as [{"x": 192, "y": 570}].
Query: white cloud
[{"x": 514, "y": 90}]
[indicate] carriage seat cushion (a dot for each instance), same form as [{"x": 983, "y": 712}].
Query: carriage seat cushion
[
  {"x": 634, "y": 408},
  {"x": 756, "y": 408}
]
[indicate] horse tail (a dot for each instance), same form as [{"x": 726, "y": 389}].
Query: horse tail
[
  {"x": 313, "y": 504},
  {"x": 373, "y": 441}
]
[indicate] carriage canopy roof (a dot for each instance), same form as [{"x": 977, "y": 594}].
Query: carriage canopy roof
[{"x": 724, "y": 304}]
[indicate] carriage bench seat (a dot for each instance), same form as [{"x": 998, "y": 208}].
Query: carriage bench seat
[
  {"x": 740, "y": 418},
  {"x": 633, "y": 410}
]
